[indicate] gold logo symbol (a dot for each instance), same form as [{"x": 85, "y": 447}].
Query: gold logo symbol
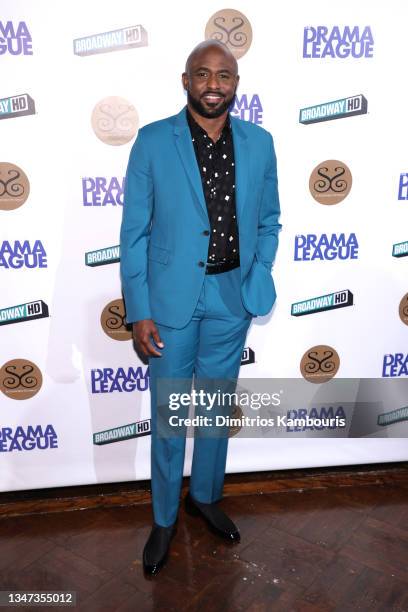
[
  {"x": 403, "y": 309},
  {"x": 115, "y": 121},
  {"x": 236, "y": 413},
  {"x": 113, "y": 321},
  {"x": 14, "y": 186},
  {"x": 330, "y": 182},
  {"x": 20, "y": 379},
  {"x": 231, "y": 28},
  {"x": 319, "y": 364}
]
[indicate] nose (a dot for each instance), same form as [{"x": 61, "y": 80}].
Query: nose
[{"x": 213, "y": 82}]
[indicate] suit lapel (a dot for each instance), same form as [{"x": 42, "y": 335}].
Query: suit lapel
[
  {"x": 241, "y": 155},
  {"x": 188, "y": 158}
]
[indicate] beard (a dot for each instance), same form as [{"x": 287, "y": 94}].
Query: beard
[{"x": 211, "y": 113}]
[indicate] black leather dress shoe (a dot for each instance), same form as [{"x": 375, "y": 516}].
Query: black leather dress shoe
[
  {"x": 215, "y": 518},
  {"x": 156, "y": 549}
]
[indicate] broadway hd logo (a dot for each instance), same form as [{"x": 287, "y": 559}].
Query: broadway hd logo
[
  {"x": 16, "y": 106},
  {"x": 124, "y": 432},
  {"x": 115, "y": 40},
  {"x": 339, "y": 299},
  {"x": 101, "y": 257},
  {"x": 338, "y": 109},
  {"x": 400, "y": 249},
  {"x": 23, "y": 312}
]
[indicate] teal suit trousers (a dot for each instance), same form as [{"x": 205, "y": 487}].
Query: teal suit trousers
[{"x": 210, "y": 347}]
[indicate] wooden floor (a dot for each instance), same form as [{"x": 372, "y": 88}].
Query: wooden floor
[{"x": 332, "y": 549}]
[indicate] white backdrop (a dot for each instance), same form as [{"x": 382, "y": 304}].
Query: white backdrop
[{"x": 57, "y": 149}]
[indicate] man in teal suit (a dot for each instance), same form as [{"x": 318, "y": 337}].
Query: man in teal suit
[{"x": 198, "y": 239}]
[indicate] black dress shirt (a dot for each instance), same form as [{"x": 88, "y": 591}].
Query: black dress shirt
[{"x": 217, "y": 168}]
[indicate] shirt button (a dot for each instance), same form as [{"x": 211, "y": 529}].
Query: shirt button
[
  {"x": 206, "y": 233},
  {"x": 201, "y": 264}
]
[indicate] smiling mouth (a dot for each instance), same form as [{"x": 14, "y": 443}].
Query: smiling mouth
[{"x": 213, "y": 98}]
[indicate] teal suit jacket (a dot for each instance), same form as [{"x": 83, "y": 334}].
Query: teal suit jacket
[{"x": 165, "y": 215}]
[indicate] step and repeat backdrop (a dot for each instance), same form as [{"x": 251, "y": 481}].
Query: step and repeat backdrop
[{"x": 77, "y": 82}]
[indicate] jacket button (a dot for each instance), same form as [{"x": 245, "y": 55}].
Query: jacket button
[
  {"x": 201, "y": 264},
  {"x": 206, "y": 233}
]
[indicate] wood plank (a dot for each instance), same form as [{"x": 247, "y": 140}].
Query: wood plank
[{"x": 258, "y": 483}]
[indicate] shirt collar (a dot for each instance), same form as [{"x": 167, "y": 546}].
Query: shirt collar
[{"x": 197, "y": 129}]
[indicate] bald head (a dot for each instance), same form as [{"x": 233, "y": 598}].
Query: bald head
[
  {"x": 210, "y": 79},
  {"x": 213, "y": 45}
]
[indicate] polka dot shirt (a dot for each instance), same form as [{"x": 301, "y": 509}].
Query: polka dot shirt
[{"x": 217, "y": 169}]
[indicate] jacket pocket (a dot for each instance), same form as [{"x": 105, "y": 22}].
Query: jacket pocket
[{"x": 157, "y": 253}]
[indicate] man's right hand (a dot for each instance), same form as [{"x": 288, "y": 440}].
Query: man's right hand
[{"x": 143, "y": 331}]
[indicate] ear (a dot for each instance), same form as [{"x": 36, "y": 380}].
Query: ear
[{"x": 184, "y": 80}]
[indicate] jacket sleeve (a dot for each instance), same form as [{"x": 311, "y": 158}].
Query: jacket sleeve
[
  {"x": 268, "y": 223},
  {"x": 135, "y": 232}
]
